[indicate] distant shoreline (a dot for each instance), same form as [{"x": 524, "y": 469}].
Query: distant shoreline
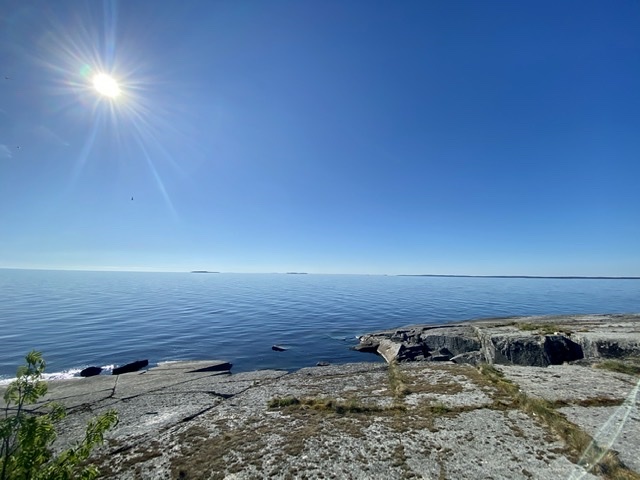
[
  {"x": 556, "y": 277},
  {"x": 569, "y": 277}
]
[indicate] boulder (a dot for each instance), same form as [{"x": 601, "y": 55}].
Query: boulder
[
  {"x": 389, "y": 349},
  {"x": 400, "y": 352}
]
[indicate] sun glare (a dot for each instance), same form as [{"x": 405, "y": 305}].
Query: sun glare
[{"x": 106, "y": 85}]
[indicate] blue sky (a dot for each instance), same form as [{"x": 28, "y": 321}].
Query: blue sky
[{"x": 337, "y": 137}]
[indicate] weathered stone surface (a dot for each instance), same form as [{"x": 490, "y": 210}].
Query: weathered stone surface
[
  {"x": 533, "y": 341},
  {"x": 475, "y": 441},
  {"x": 454, "y": 425},
  {"x": 617, "y": 342},
  {"x": 389, "y": 350},
  {"x": 402, "y": 351},
  {"x": 533, "y": 350},
  {"x": 455, "y": 339},
  {"x": 568, "y": 383}
]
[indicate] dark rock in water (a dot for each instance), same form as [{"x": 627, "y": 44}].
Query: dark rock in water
[
  {"x": 278, "y": 348},
  {"x": 90, "y": 371},
  {"x": 131, "y": 367},
  {"x": 322, "y": 364}
]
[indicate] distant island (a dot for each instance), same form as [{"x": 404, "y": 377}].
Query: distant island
[
  {"x": 202, "y": 271},
  {"x": 522, "y": 276},
  {"x": 297, "y": 273}
]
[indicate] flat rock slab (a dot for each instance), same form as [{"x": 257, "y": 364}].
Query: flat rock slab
[
  {"x": 572, "y": 384},
  {"x": 76, "y": 392}
]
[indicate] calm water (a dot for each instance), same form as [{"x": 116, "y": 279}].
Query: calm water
[{"x": 103, "y": 318}]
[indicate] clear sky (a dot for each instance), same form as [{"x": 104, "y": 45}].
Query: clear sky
[{"x": 445, "y": 137}]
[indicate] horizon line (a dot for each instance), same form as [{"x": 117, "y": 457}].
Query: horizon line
[{"x": 437, "y": 275}]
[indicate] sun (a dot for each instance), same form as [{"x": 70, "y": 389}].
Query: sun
[{"x": 106, "y": 85}]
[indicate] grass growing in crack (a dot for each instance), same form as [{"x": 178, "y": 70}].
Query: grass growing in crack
[
  {"x": 581, "y": 447},
  {"x": 543, "y": 328},
  {"x": 397, "y": 381},
  {"x": 498, "y": 380},
  {"x": 328, "y": 404},
  {"x": 619, "y": 367}
]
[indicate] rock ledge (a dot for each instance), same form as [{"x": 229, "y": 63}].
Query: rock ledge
[{"x": 529, "y": 341}]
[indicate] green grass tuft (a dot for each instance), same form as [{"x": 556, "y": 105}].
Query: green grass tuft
[
  {"x": 620, "y": 367},
  {"x": 543, "y": 328}
]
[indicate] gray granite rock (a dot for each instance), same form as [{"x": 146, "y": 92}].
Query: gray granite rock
[{"x": 532, "y": 341}]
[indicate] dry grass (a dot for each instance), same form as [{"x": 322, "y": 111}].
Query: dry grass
[
  {"x": 397, "y": 381},
  {"x": 599, "y": 401},
  {"x": 328, "y": 404},
  {"x": 628, "y": 367},
  {"x": 204, "y": 457}
]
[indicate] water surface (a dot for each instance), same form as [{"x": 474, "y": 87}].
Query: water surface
[{"x": 102, "y": 318}]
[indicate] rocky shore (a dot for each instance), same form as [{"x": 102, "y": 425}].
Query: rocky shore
[
  {"x": 519, "y": 398},
  {"x": 527, "y": 341}
]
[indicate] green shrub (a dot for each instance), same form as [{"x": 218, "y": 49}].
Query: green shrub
[{"x": 26, "y": 436}]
